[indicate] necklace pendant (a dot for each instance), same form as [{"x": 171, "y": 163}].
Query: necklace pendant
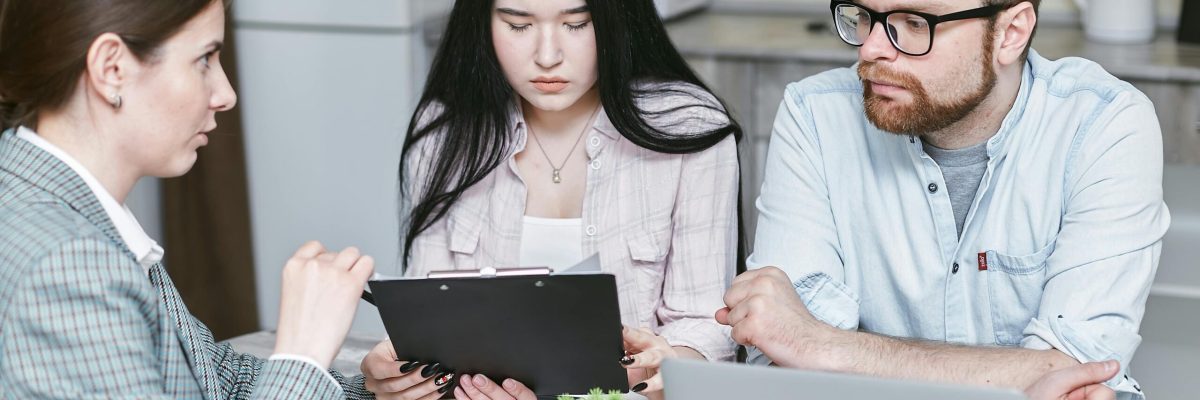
[{"x": 557, "y": 177}]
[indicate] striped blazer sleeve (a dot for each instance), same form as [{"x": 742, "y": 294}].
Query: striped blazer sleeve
[
  {"x": 244, "y": 376},
  {"x": 84, "y": 323}
]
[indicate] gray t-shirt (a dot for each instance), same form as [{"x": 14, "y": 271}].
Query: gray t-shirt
[{"x": 963, "y": 170}]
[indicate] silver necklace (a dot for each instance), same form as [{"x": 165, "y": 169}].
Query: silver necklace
[{"x": 557, "y": 177}]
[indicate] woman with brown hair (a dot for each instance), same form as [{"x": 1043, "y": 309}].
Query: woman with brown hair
[{"x": 94, "y": 95}]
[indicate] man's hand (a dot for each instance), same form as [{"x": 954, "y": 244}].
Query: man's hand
[
  {"x": 1081, "y": 382},
  {"x": 764, "y": 310}
]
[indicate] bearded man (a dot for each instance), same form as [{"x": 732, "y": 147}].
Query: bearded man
[{"x": 955, "y": 207}]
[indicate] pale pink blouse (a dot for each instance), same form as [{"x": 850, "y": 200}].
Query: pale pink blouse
[{"x": 665, "y": 225}]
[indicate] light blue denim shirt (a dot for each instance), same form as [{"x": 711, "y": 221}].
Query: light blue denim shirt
[{"x": 1058, "y": 251}]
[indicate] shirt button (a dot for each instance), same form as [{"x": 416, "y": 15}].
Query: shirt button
[
  {"x": 595, "y": 141},
  {"x": 591, "y": 230},
  {"x": 933, "y": 187},
  {"x": 955, "y": 269},
  {"x": 595, "y": 164}
]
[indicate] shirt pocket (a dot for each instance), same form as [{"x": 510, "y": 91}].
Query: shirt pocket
[
  {"x": 462, "y": 228},
  {"x": 469, "y": 217},
  {"x": 649, "y": 246},
  {"x": 1015, "y": 285}
]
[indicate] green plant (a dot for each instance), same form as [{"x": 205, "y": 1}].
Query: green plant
[{"x": 596, "y": 394}]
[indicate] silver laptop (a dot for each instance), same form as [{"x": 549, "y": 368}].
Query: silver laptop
[{"x": 698, "y": 380}]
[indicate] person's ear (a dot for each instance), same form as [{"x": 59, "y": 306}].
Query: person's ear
[
  {"x": 1015, "y": 27},
  {"x": 109, "y": 64}
]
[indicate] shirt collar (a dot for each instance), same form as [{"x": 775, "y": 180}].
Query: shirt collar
[
  {"x": 605, "y": 125},
  {"x": 602, "y": 123},
  {"x": 997, "y": 146},
  {"x": 145, "y": 249}
]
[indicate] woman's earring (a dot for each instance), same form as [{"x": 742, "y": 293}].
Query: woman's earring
[{"x": 115, "y": 100}]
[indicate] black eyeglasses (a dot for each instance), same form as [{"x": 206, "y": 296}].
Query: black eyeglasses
[{"x": 910, "y": 32}]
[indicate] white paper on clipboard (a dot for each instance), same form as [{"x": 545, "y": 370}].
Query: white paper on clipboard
[{"x": 590, "y": 265}]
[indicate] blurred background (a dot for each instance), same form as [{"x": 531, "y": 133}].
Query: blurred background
[{"x": 327, "y": 90}]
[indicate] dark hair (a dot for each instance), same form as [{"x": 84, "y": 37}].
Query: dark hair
[
  {"x": 1010, "y": 3},
  {"x": 44, "y": 45},
  {"x": 465, "y": 107}
]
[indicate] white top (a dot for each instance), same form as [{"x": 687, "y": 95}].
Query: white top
[
  {"x": 147, "y": 251},
  {"x": 552, "y": 242}
]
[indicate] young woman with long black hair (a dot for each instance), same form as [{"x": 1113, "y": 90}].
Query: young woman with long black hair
[{"x": 551, "y": 130}]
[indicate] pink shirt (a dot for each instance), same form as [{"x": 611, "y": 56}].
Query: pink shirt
[{"x": 665, "y": 225}]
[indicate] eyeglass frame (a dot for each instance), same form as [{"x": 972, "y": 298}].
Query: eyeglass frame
[{"x": 933, "y": 20}]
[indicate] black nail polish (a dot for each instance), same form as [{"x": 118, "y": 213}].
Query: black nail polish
[
  {"x": 640, "y": 387},
  {"x": 409, "y": 366},
  {"x": 626, "y": 360},
  {"x": 429, "y": 370},
  {"x": 445, "y": 389},
  {"x": 444, "y": 378}
]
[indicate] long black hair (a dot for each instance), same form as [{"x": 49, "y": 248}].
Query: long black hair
[{"x": 468, "y": 99}]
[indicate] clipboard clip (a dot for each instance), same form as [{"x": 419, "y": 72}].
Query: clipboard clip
[{"x": 490, "y": 272}]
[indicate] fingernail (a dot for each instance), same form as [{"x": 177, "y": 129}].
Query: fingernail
[
  {"x": 510, "y": 384},
  {"x": 1110, "y": 365},
  {"x": 640, "y": 387},
  {"x": 626, "y": 360},
  {"x": 480, "y": 380},
  {"x": 409, "y": 366},
  {"x": 429, "y": 370},
  {"x": 445, "y": 389},
  {"x": 444, "y": 378}
]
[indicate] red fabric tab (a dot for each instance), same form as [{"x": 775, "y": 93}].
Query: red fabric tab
[{"x": 983, "y": 261}]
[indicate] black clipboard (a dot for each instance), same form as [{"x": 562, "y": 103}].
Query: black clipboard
[{"x": 558, "y": 334}]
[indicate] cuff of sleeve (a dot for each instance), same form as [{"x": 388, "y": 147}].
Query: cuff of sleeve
[
  {"x": 754, "y": 356},
  {"x": 294, "y": 379},
  {"x": 306, "y": 360},
  {"x": 711, "y": 339},
  {"x": 829, "y": 301},
  {"x": 1089, "y": 341}
]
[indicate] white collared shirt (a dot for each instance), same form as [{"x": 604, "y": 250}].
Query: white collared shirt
[{"x": 147, "y": 251}]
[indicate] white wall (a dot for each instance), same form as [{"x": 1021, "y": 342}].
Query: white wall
[
  {"x": 145, "y": 203},
  {"x": 327, "y": 89},
  {"x": 1168, "y": 359}
]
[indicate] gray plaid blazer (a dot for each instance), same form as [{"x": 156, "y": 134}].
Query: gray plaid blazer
[{"x": 80, "y": 319}]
